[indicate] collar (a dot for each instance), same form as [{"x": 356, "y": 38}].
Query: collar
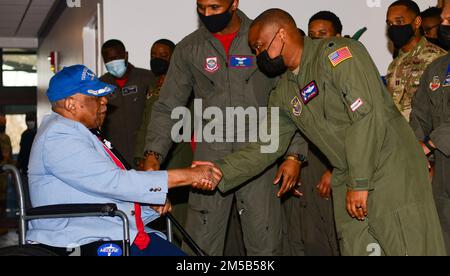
[
  {"x": 419, "y": 46},
  {"x": 307, "y": 57}
]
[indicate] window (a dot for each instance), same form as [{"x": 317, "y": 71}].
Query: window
[{"x": 19, "y": 68}]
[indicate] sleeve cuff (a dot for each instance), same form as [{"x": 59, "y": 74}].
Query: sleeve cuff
[{"x": 360, "y": 184}]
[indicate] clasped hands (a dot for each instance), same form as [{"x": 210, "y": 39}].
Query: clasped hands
[{"x": 206, "y": 175}]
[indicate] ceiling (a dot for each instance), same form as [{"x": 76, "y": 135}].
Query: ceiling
[{"x": 23, "y": 18}]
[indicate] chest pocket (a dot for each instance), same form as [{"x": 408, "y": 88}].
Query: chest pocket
[{"x": 204, "y": 80}]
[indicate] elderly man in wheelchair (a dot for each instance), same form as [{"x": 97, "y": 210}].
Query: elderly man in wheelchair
[{"x": 71, "y": 163}]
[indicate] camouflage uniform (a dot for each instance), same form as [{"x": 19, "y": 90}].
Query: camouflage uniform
[{"x": 403, "y": 77}]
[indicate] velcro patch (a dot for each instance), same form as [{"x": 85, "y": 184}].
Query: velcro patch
[
  {"x": 129, "y": 90},
  {"x": 309, "y": 92},
  {"x": 241, "y": 61},
  {"x": 340, "y": 56},
  {"x": 356, "y": 105}
]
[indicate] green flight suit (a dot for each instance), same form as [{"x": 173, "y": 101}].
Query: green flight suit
[
  {"x": 311, "y": 229},
  {"x": 340, "y": 104},
  {"x": 126, "y": 108},
  {"x": 199, "y": 65},
  {"x": 431, "y": 118}
]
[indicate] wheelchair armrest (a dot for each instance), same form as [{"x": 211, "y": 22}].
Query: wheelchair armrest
[{"x": 108, "y": 209}]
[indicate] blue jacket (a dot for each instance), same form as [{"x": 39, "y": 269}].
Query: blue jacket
[{"x": 68, "y": 164}]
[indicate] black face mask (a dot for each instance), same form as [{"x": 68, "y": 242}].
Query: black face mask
[
  {"x": 218, "y": 22},
  {"x": 271, "y": 67},
  {"x": 159, "y": 66},
  {"x": 2, "y": 129},
  {"x": 401, "y": 35},
  {"x": 444, "y": 36}
]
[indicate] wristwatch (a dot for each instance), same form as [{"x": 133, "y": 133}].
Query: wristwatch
[
  {"x": 158, "y": 156},
  {"x": 296, "y": 157}
]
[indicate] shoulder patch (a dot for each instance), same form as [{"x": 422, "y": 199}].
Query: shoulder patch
[{"x": 340, "y": 56}]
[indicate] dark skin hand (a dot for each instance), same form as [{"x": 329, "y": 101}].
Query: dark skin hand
[
  {"x": 357, "y": 204},
  {"x": 151, "y": 163},
  {"x": 324, "y": 186},
  {"x": 290, "y": 172}
]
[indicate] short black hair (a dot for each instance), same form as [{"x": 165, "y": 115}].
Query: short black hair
[
  {"x": 431, "y": 12},
  {"x": 409, "y": 4},
  {"x": 114, "y": 44},
  {"x": 328, "y": 16},
  {"x": 168, "y": 43},
  {"x": 274, "y": 16}
]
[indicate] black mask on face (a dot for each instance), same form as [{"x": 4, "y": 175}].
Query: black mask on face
[
  {"x": 444, "y": 36},
  {"x": 401, "y": 35},
  {"x": 2, "y": 129},
  {"x": 218, "y": 22},
  {"x": 271, "y": 67},
  {"x": 159, "y": 66}
]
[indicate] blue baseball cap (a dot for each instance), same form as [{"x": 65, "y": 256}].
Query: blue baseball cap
[{"x": 76, "y": 79}]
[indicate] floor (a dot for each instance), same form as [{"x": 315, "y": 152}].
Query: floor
[{"x": 9, "y": 239}]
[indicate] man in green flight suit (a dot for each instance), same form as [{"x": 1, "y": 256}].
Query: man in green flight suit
[
  {"x": 430, "y": 120},
  {"x": 216, "y": 65},
  {"x": 332, "y": 92}
]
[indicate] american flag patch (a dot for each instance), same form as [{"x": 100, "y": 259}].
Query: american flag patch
[
  {"x": 339, "y": 56},
  {"x": 356, "y": 105}
]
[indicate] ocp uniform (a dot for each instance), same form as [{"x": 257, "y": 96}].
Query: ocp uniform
[
  {"x": 339, "y": 102},
  {"x": 403, "y": 77},
  {"x": 431, "y": 118}
]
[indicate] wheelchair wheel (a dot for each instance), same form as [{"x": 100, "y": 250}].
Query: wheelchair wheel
[{"x": 26, "y": 250}]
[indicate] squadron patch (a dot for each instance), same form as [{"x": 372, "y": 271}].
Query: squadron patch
[
  {"x": 435, "y": 84},
  {"x": 297, "y": 107},
  {"x": 309, "y": 92},
  {"x": 340, "y": 56},
  {"x": 212, "y": 64}
]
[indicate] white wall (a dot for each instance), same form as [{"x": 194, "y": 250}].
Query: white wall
[
  {"x": 138, "y": 23},
  {"x": 66, "y": 37}
]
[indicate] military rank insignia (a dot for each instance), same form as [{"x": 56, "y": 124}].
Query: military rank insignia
[
  {"x": 309, "y": 92},
  {"x": 340, "y": 56},
  {"x": 297, "y": 107},
  {"x": 435, "y": 84}
]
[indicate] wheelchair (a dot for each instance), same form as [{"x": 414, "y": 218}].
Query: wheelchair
[{"x": 27, "y": 213}]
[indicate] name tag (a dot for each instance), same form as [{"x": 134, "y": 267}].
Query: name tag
[
  {"x": 129, "y": 90},
  {"x": 447, "y": 78},
  {"x": 241, "y": 61}
]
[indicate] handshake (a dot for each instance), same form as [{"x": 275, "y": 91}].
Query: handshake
[
  {"x": 202, "y": 176},
  {"x": 205, "y": 176}
]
